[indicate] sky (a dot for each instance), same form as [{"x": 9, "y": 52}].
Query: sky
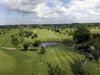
[{"x": 49, "y": 11}]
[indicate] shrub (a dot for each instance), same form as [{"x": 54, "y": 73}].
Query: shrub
[
  {"x": 36, "y": 43},
  {"x": 77, "y": 68},
  {"x": 41, "y": 50},
  {"x": 35, "y": 35},
  {"x": 14, "y": 40},
  {"x": 55, "y": 70},
  {"x": 26, "y": 46}
]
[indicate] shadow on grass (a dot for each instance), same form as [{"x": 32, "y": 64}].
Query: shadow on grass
[
  {"x": 32, "y": 49},
  {"x": 29, "y": 50}
]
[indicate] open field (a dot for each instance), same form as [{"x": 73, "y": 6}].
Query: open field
[{"x": 14, "y": 61}]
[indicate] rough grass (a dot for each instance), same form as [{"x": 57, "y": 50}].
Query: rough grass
[
  {"x": 5, "y": 39},
  {"x": 91, "y": 67}
]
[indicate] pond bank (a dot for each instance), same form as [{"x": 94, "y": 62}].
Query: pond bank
[{"x": 54, "y": 43}]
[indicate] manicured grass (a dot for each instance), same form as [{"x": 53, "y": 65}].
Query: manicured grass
[
  {"x": 17, "y": 62},
  {"x": 21, "y": 66},
  {"x": 48, "y": 35},
  {"x": 29, "y": 62},
  {"x": 7, "y": 62}
]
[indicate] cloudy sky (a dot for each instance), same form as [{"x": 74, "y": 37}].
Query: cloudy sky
[{"x": 49, "y": 11}]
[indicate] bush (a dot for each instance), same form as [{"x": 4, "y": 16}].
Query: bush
[
  {"x": 77, "y": 68},
  {"x": 36, "y": 43},
  {"x": 55, "y": 70},
  {"x": 56, "y": 30},
  {"x": 41, "y": 50},
  {"x": 14, "y": 40}
]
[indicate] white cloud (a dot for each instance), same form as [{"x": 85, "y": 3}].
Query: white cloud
[{"x": 77, "y": 10}]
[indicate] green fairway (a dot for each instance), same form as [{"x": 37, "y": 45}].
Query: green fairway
[
  {"x": 15, "y": 63},
  {"x": 27, "y": 63},
  {"x": 7, "y": 62},
  {"x": 48, "y": 35}
]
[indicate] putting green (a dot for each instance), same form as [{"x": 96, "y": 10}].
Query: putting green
[{"x": 6, "y": 61}]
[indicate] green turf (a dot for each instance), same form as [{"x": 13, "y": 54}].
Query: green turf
[
  {"x": 7, "y": 62},
  {"x": 48, "y": 35},
  {"x": 17, "y": 62},
  {"x": 29, "y": 62}
]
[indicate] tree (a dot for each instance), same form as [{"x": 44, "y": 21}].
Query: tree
[
  {"x": 81, "y": 34},
  {"x": 14, "y": 40},
  {"x": 26, "y": 46},
  {"x": 35, "y": 35},
  {"x": 77, "y": 68},
  {"x": 27, "y": 33},
  {"x": 55, "y": 70}
]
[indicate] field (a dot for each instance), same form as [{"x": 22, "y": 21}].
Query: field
[{"x": 14, "y": 61}]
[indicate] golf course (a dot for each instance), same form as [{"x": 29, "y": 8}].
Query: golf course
[
  {"x": 49, "y": 37},
  {"x": 15, "y": 61}
]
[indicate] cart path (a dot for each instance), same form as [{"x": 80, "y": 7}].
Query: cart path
[{"x": 9, "y": 48}]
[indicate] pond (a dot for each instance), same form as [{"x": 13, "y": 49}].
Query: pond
[
  {"x": 54, "y": 43},
  {"x": 49, "y": 44}
]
